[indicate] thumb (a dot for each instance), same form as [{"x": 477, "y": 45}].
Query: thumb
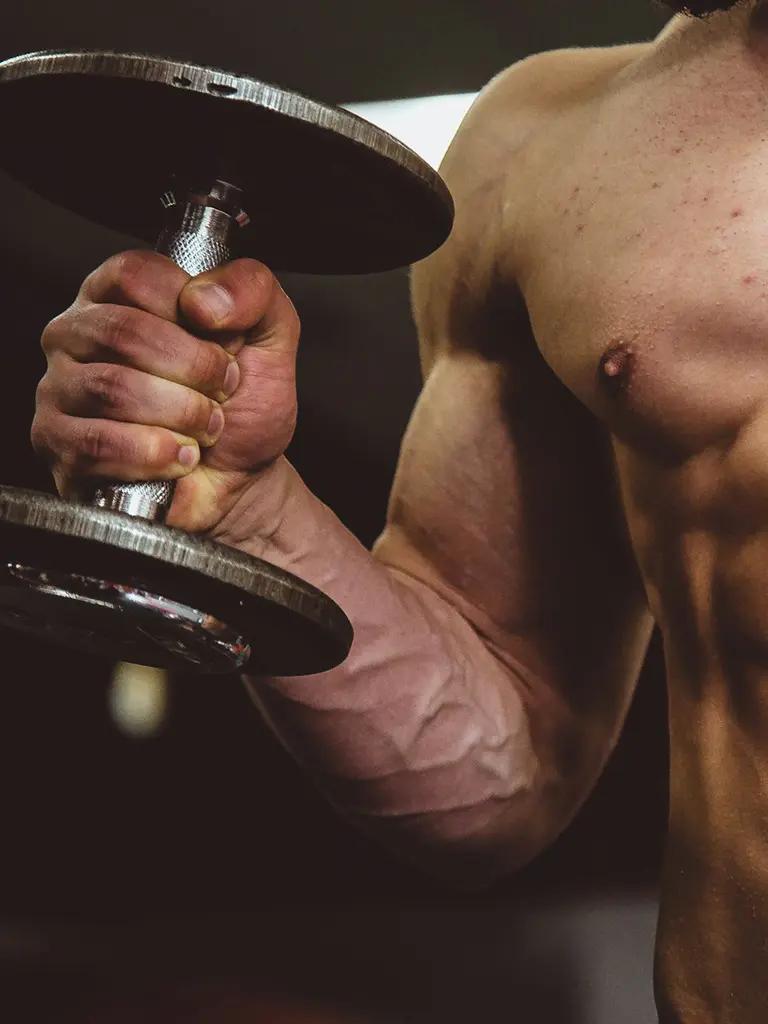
[{"x": 241, "y": 297}]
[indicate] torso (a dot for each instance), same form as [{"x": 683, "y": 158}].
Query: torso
[{"x": 644, "y": 266}]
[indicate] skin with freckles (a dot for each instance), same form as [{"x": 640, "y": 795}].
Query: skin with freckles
[
  {"x": 589, "y": 456},
  {"x": 643, "y": 270}
]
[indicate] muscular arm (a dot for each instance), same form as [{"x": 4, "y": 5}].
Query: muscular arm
[
  {"x": 499, "y": 622},
  {"x": 500, "y": 626}
]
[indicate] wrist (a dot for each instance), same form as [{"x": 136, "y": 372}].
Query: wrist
[{"x": 275, "y": 518}]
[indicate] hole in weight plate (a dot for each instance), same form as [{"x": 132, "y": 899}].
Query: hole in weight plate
[{"x": 221, "y": 88}]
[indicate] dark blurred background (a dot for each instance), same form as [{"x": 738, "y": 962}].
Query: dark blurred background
[{"x": 200, "y": 854}]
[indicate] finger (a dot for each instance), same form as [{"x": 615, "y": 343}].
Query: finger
[
  {"x": 79, "y": 448},
  {"x": 108, "y": 391},
  {"x": 132, "y": 337},
  {"x": 243, "y": 296},
  {"x": 139, "y": 278}
]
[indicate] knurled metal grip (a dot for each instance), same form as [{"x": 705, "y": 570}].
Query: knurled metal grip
[{"x": 200, "y": 234}]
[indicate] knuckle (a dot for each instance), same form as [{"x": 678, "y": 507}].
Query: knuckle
[
  {"x": 205, "y": 365},
  {"x": 120, "y": 330},
  {"x": 94, "y": 445},
  {"x": 52, "y": 338},
  {"x": 155, "y": 449},
  {"x": 41, "y": 439},
  {"x": 137, "y": 278},
  {"x": 92, "y": 282},
  {"x": 126, "y": 270},
  {"x": 253, "y": 269},
  {"x": 45, "y": 393},
  {"x": 106, "y": 386},
  {"x": 130, "y": 263},
  {"x": 248, "y": 282},
  {"x": 194, "y": 413},
  {"x": 123, "y": 335},
  {"x": 250, "y": 273},
  {"x": 137, "y": 449}
]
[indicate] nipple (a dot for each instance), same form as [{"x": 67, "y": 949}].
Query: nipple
[{"x": 616, "y": 367}]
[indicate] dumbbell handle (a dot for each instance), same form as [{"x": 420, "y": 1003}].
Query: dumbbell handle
[{"x": 200, "y": 234}]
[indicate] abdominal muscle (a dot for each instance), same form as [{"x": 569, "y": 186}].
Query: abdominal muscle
[{"x": 706, "y": 573}]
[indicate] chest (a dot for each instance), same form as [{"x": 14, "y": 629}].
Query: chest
[{"x": 648, "y": 280}]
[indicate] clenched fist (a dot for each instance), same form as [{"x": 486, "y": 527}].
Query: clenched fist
[{"x": 155, "y": 375}]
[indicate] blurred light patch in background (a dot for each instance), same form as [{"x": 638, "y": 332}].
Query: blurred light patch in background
[
  {"x": 425, "y": 125},
  {"x": 138, "y": 700}
]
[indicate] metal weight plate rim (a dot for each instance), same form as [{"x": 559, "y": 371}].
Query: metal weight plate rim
[
  {"x": 224, "y": 84},
  {"x": 177, "y": 549}
]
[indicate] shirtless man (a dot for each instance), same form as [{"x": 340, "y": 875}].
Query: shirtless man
[{"x": 560, "y": 488}]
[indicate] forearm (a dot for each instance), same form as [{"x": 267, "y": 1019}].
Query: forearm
[{"x": 422, "y": 735}]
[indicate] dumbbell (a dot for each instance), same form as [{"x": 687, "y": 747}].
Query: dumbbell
[{"x": 214, "y": 165}]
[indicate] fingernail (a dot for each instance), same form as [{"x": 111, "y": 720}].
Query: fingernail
[
  {"x": 189, "y": 456},
  {"x": 215, "y": 423},
  {"x": 217, "y": 301},
  {"x": 232, "y": 379}
]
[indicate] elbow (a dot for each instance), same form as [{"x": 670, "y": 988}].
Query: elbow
[
  {"x": 470, "y": 850},
  {"x": 477, "y": 850},
  {"x": 474, "y": 847}
]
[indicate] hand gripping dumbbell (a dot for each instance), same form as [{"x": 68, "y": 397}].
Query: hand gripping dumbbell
[{"x": 214, "y": 165}]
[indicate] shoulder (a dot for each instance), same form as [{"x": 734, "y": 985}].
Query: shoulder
[
  {"x": 490, "y": 168},
  {"x": 521, "y": 99},
  {"x": 550, "y": 82}
]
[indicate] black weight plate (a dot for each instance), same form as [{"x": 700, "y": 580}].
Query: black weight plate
[
  {"x": 291, "y": 627},
  {"x": 327, "y": 192}
]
